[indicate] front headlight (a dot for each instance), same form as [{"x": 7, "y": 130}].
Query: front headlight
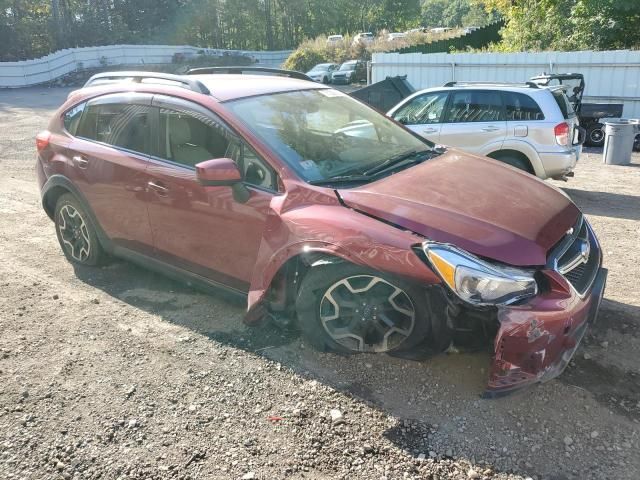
[{"x": 477, "y": 281}]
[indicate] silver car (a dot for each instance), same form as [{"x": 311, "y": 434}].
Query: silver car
[
  {"x": 322, "y": 72},
  {"x": 529, "y": 127}
]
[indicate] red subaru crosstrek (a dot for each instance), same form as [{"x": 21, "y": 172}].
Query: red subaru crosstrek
[{"x": 320, "y": 209}]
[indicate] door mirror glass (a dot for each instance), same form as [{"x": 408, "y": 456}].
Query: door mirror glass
[{"x": 218, "y": 172}]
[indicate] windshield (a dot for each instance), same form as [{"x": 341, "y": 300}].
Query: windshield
[
  {"x": 323, "y": 134},
  {"x": 321, "y": 67},
  {"x": 348, "y": 66}
]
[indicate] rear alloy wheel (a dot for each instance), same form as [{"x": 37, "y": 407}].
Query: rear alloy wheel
[
  {"x": 595, "y": 135},
  {"x": 75, "y": 232},
  {"x": 350, "y": 309}
]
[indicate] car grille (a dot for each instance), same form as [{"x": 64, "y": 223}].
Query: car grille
[{"x": 578, "y": 257}]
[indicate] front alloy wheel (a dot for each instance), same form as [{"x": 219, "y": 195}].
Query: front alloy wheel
[
  {"x": 347, "y": 308},
  {"x": 365, "y": 313}
]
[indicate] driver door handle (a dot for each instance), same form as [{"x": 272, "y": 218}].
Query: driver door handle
[
  {"x": 430, "y": 130},
  {"x": 80, "y": 161},
  {"x": 161, "y": 190}
]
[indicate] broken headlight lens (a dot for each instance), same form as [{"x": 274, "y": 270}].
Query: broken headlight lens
[{"x": 477, "y": 281}]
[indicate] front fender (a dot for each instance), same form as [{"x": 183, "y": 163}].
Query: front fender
[{"x": 338, "y": 231}]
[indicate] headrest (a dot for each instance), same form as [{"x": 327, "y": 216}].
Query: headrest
[{"x": 179, "y": 130}]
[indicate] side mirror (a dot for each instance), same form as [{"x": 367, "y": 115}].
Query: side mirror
[
  {"x": 221, "y": 172},
  {"x": 218, "y": 172}
]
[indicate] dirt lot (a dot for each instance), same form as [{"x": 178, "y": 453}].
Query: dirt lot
[{"x": 119, "y": 373}]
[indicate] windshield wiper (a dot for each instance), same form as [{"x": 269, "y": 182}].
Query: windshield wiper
[
  {"x": 341, "y": 179},
  {"x": 409, "y": 157}
]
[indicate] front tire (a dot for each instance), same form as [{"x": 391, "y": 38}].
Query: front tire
[
  {"x": 351, "y": 309},
  {"x": 76, "y": 233}
]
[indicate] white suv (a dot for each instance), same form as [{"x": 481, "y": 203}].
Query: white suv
[{"x": 530, "y": 127}]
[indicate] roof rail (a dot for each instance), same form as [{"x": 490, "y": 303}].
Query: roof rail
[
  {"x": 248, "y": 70},
  {"x": 507, "y": 84},
  {"x": 138, "y": 77}
]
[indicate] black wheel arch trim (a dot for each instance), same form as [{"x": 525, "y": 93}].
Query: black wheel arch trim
[{"x": 58, "y": 181}]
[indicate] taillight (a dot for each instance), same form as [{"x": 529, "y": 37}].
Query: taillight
[
  {"x": 561, "y": 132},
  {"x": 42, "y": 140}
]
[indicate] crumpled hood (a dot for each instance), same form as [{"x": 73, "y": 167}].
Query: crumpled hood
[{"x": 474, "y": 203}]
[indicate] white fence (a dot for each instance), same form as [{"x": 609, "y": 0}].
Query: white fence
[
  {"x": 610, "y": 77},
  {"x": 42, "y": 70}
]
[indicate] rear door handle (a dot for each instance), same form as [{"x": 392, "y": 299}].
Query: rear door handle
[
  {"x": 430, "y": 130},
  {"x": 161, "y": 190},
  {"x": 490, "y": 129},
  {"x": 80, "y": 161}
]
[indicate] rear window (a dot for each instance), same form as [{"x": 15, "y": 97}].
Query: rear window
[
  {"x": 118, "y": 124},
  {"x": 563, "y": 102},
  {"x": 521, "y": 107}
]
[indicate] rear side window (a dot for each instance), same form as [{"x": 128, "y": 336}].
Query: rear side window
[
  {"x": 118, "y": 124},
  {"x": 475, "y": 106},
  {"x": 72, "y": 118},
  {"x": 521, "y": 107},
  {"x": 563, "y": 102}
]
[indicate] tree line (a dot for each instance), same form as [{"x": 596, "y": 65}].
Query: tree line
[{"x": 32, "y": 28}]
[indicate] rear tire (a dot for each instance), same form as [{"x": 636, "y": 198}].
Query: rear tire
[
  {"x": 350, "y": 309},
  {"x": 76, "y": 232},
  {"x": 515, "y": 161},
  {"x": 595, "y": 135}
]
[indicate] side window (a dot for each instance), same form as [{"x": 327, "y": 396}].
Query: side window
[
  {"x": 119, "y": 124},
  {"x": 422, "y": 109},
  {"x": 255, "y": 171},
  {"x": 72, "y": 118},
  {"x": 520, "y": 107},
  {"x": 475, "y": 106},
  {"x": 189, "y": 138}
]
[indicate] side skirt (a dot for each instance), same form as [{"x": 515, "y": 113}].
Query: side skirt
[{"x": 176, "y": 273}]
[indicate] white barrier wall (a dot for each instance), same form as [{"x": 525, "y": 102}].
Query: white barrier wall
[
  {"x": 41, "y": 70},
  {"x": 610, "y": 77}
]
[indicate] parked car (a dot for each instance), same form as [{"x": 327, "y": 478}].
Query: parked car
[
  {"x": 350, "y": 72},
  {"x": 396, "y": 36},
  {"x": 382, "y": 244},
  {"x": 534, "y": 129},
  {"x": 364, "y": 38},
  {"x": 467, "y": 30},
  {"x": 334, "y": 39},
  {"x": 322, "y": 72}
]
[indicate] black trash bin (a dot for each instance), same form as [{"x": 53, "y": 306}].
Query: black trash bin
[{"x": 385, "y": 94}]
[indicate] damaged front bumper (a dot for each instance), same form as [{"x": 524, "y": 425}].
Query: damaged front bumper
[{"x": 536, "y": 341}]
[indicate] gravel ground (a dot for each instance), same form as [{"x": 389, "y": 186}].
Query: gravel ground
[{"x": 119, "y": 373}]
